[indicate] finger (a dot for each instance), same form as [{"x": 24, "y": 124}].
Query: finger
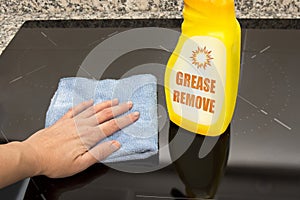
[
  {"x": 106, "y": 104},
  {"x": 97, "y": 108},
  {"x": 100, "y": 152},
  {"x": 112, "y": 112},
  {"x": 77, "y": 109},
  {"x": 110, "y": 127}
]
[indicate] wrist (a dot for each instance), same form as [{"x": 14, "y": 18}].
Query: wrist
[{"x": 27, "y": 158}]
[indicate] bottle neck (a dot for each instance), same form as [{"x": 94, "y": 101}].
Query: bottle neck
[{"x": 210, "y": 12}]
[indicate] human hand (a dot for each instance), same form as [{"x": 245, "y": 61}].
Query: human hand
[{"x": 68, "y": 147}]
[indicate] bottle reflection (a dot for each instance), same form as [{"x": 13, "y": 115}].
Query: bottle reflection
[{"x": 201, "y": 176}]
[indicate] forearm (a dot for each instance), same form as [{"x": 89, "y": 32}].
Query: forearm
[{"x": 17, "y": 161}]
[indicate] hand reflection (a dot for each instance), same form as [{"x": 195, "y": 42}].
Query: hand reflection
[{"x": 52, "y": 189}]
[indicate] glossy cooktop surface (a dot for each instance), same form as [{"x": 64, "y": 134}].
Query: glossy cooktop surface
[{"x": 264, "y": 160}]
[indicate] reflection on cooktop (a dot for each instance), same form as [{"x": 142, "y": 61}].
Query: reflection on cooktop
[{"x": 102, "y": 182}]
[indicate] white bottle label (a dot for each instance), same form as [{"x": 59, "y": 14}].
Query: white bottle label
[{"x": 197, "y": 81}]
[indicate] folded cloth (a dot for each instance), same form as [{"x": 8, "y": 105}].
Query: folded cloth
[{"x": 140, "y": 139}]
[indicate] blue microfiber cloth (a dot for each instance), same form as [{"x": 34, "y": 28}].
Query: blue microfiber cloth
[{"x": 139, "y": 140}]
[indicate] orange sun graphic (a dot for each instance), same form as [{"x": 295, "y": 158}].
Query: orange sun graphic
[{"x": 202, "y": 57}]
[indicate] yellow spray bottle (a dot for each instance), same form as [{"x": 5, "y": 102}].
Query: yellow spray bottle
[{"x": 201, "y": 78}]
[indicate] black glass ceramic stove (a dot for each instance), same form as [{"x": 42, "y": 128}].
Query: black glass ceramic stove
[{"x": 264, "y": 156}]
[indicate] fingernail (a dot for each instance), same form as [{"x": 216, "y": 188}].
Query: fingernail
[
  {"x": 136, "y": 114},
  {"x": 115, "y": 101},
  {"x": 115, "y": 145},
  {"x": 90, "y": 102},
  {"x": 130, "y": 103}
]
